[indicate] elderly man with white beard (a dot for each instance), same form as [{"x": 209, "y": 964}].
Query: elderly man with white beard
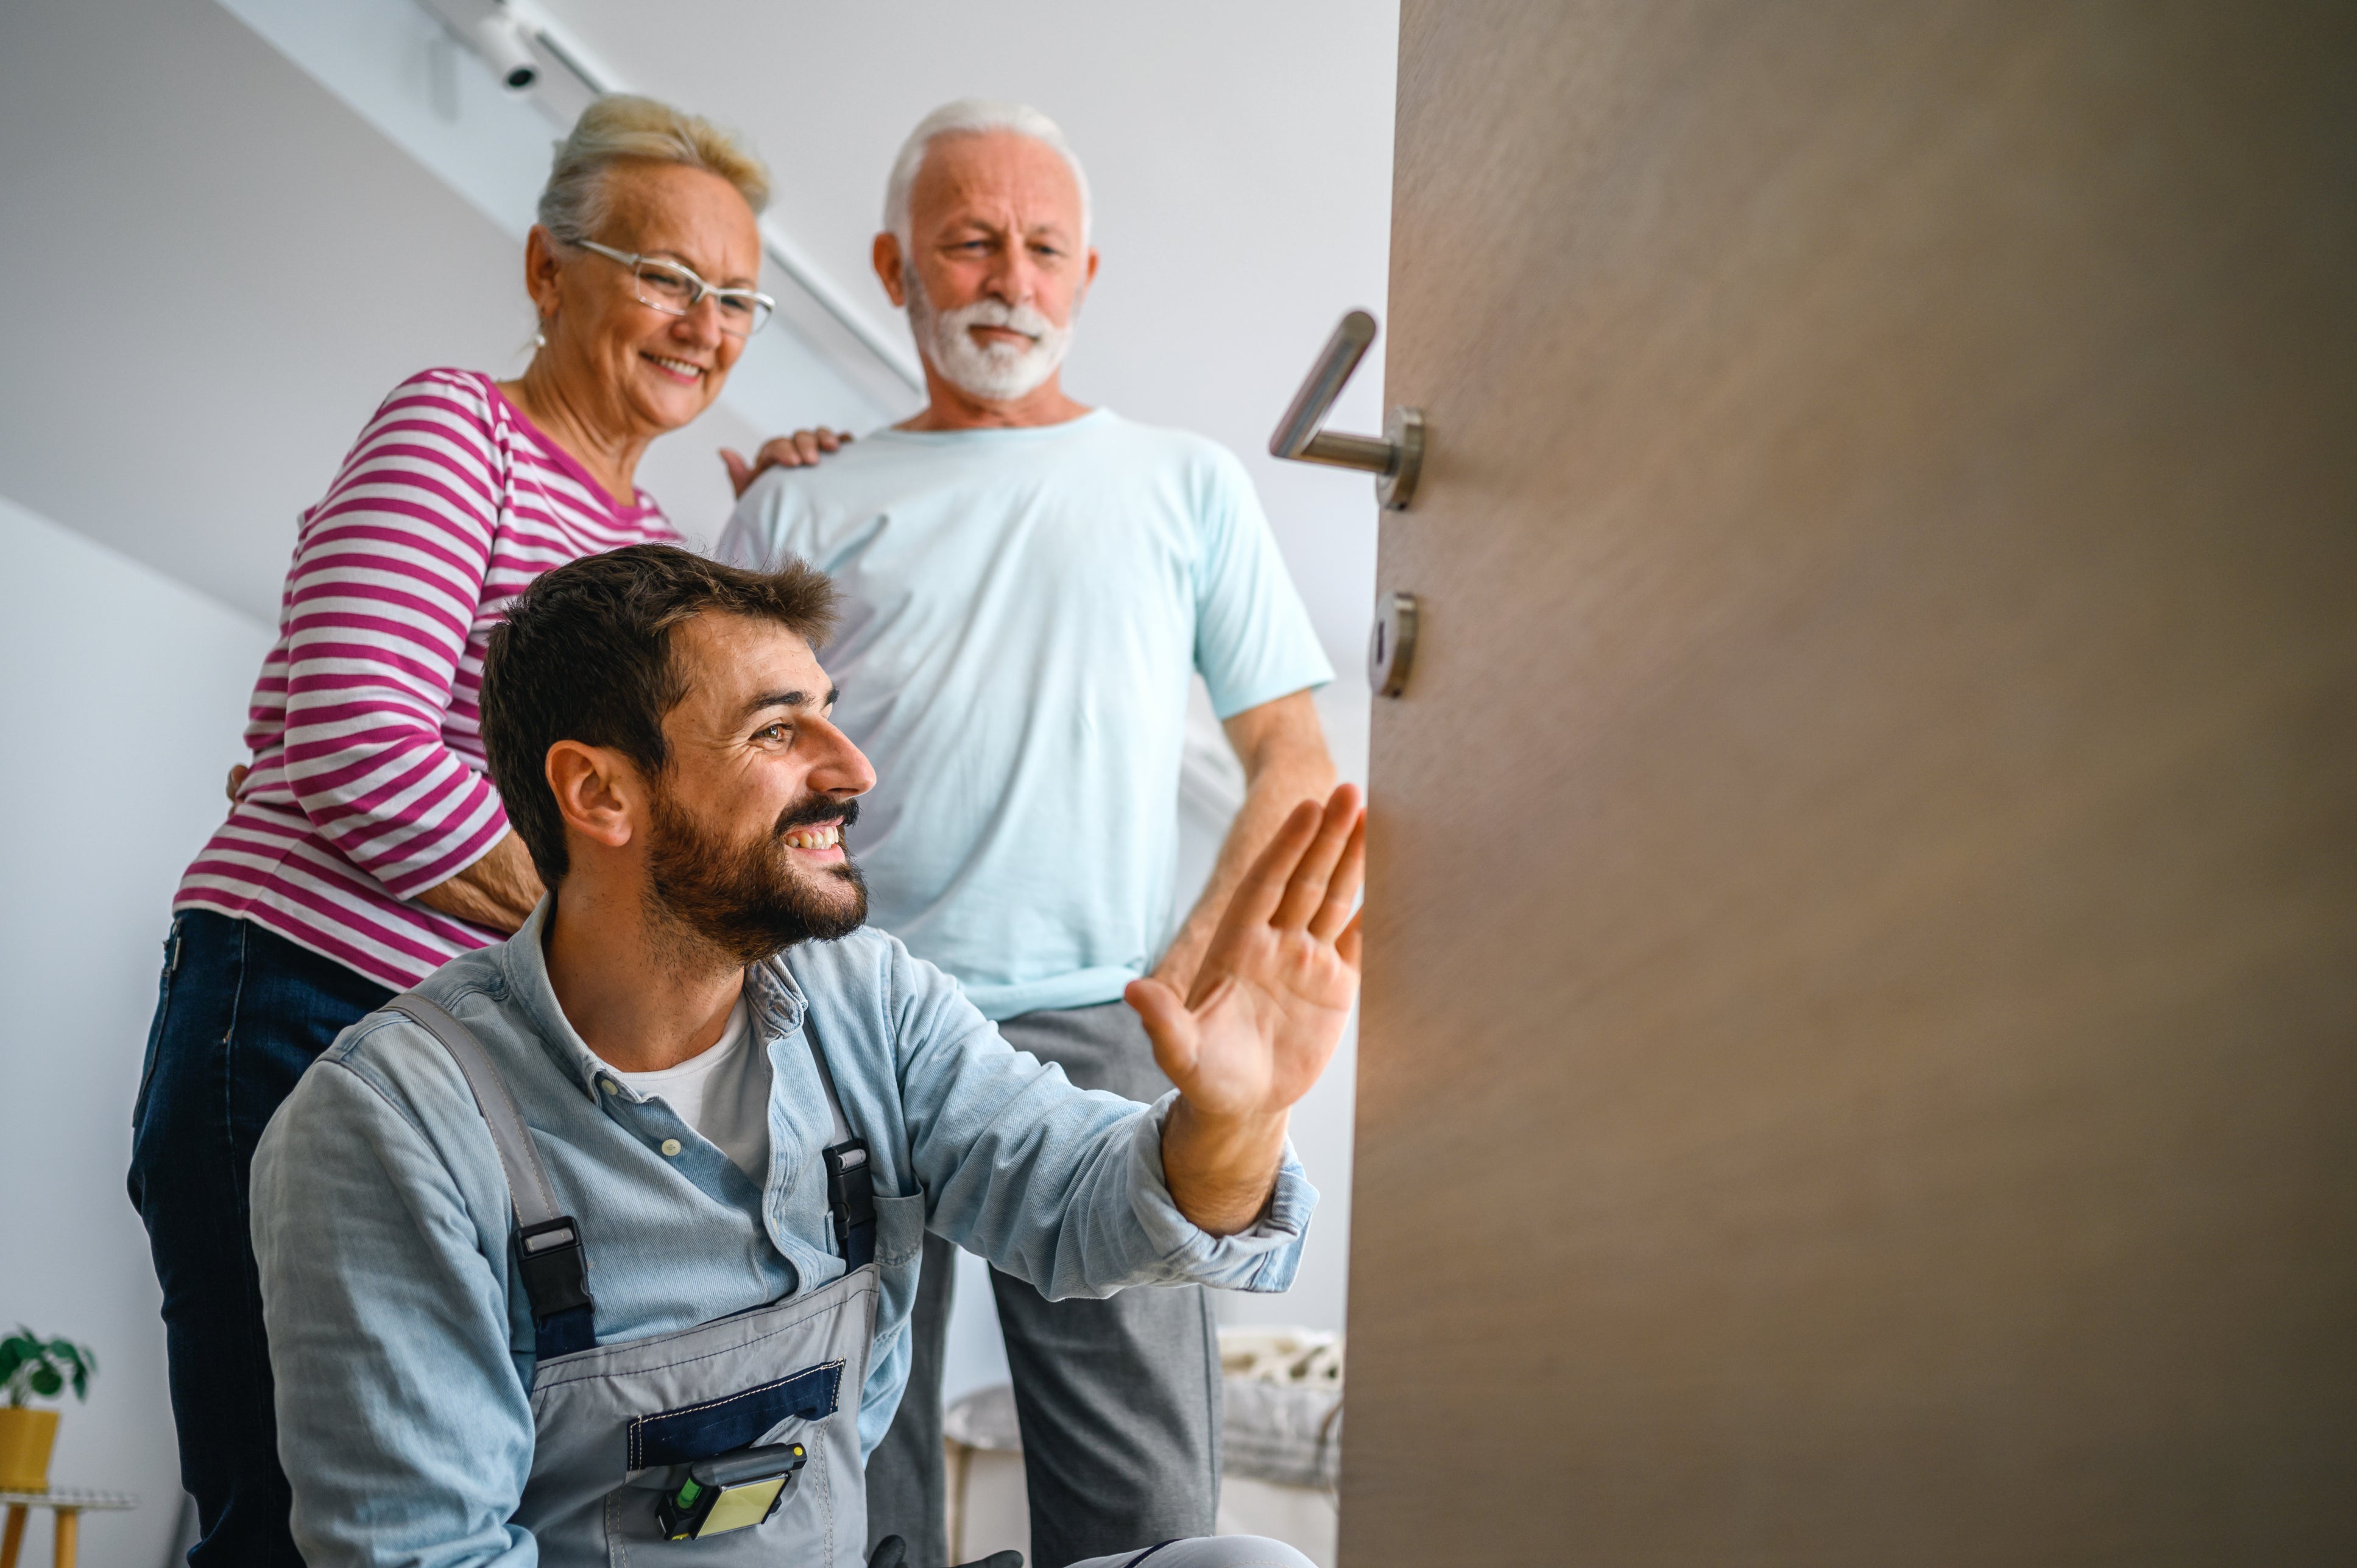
[{"x": 1029, "y": 583}]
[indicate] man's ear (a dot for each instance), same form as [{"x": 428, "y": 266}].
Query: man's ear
[
  {"x": 1088, "y": 278},
  {"x": 599, "y": 792},
  {"x": 890, "y": 267}
]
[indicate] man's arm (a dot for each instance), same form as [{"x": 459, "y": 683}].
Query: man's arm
[
  {"x": 501, "y": 890},
  {"x": 1283, "y": 750},
  {"x": 403, "y": 1420},
  {"x": 1276, "y": 985},
  {"x": 1061, "y": 1187}
]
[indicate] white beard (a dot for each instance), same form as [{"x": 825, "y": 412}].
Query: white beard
[{"x": 1001, "y": 372}]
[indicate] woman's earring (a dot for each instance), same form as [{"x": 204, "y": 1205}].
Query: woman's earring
[{"x": 539, "y": 341}]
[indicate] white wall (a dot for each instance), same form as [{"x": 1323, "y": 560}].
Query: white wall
[
  {"x": 252, "y": 267},
  {"x": 124, "y": 695}
]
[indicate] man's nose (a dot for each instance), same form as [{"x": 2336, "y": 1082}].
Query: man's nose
[
  {"x": 840, "y": 768},
  {"x": 1013, "y": 275}
]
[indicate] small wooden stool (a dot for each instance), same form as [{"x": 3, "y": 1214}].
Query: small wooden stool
[{"x": 68, "y": 1506}]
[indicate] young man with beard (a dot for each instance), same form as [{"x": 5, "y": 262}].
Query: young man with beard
[
  {"x": 587, "y": 1241},
  {"x": 1029, "y": 585}
]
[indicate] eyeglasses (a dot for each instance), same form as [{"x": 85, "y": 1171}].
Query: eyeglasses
[{"x": 672, "y": 289}]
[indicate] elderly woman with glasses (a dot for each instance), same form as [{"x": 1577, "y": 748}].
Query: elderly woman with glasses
[{"x": 366, "y": 845}]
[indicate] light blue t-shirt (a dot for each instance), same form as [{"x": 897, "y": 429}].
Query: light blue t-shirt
[{"x": 1024, "y": 610}]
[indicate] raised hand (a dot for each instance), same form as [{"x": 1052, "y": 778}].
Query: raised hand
[
  {"x": 1265, "y": 1015},
  {"x": 800, "y": 450}
]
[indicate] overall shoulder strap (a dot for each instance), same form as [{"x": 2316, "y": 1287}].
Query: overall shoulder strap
[
  {"x": 850, "y": 1184},
  {"x": 826, "y": 1082},
  {"x": 548, "y": 1242}
]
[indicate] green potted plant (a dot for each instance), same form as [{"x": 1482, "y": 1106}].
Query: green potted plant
[{"x": 32, "y": 1368}]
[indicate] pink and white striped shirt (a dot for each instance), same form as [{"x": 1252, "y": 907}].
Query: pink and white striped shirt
[{"x": 369, "y": 783}]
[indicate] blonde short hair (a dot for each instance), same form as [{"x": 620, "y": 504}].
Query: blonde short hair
[{"x": 619, "y": 128}]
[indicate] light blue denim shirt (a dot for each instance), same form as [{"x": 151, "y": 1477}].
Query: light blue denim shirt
[{"x": 400, "y": 1336}]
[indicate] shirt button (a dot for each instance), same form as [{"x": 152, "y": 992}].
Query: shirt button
[
  {"x": 671, "y": 1146},
  {"x": 606, "y": 1084}
]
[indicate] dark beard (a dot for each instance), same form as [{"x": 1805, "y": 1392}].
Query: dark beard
[{"x": 745, "y": 900}]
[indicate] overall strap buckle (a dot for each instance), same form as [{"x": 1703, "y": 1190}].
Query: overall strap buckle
[
  {"x": 556, "y": 1281},
  {"x": 851, "y": 1201},
  {"x": 850, "y": 1174},
  {"x": 549, "y": 1258}
]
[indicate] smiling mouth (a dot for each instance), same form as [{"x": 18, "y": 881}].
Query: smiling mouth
[
  {"x": 827, "y": 836},
  {"x": 680, "y": 368}
]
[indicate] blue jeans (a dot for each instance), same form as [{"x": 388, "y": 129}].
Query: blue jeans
[{"x": 239, "y": 1015}]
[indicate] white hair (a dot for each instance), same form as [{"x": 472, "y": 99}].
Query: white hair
[{"x": 972, "y": 117}]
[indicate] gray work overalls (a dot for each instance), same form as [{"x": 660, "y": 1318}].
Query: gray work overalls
[{"x": 617, "y": 1427}]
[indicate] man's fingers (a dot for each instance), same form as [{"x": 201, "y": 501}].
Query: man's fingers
[
  {"x": 1347, "y": 945},
  {"x": 1168, "y": 1026},
  {"x": 1342, "y": 887},
  {"x": 1306, "y": 889},
  {"x": 1256, "y": 897}
]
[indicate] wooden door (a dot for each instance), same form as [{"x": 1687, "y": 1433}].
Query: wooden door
[{"x": 1860, "y": 1041}]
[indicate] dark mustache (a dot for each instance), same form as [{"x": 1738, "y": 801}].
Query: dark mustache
[{"x": 817, "y": 809}]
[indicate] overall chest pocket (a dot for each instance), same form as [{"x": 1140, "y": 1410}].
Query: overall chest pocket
[
  {"x": 899, "y": 1259},
  {"x": 660, "y": 1445},
  {"x": 741, "y": 1420},
  {"x": 617, "y": 1428}
]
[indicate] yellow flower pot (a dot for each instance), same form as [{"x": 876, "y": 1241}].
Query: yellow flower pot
[{"x": 26, "y": 1437}]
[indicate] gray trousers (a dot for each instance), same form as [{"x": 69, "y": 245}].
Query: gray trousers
[{"x": 1118, "y": 1400}]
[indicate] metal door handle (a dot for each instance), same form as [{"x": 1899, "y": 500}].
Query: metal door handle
[{"x": 1394, "y": 460}]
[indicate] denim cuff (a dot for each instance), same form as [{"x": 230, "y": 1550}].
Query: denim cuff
[{"x": 1262, "y": 1259}]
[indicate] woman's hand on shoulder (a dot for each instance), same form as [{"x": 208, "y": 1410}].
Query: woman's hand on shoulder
[{"x": 802, "y": 449}]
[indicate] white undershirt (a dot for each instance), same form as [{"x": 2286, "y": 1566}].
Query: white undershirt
[{"x": 723, "y": 1093}]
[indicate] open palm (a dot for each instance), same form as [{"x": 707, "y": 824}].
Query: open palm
[{"x": 1276, "y": 984}]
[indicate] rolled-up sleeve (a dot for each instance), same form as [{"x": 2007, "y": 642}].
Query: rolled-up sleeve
[
  {"x": 1060, "y": 1187},
  {"x": 386, "y": 583},
  {"x": 1264, "y": 1257}
]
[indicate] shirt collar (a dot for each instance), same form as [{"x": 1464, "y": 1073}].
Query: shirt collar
[{"x": 774, "y": 1002}]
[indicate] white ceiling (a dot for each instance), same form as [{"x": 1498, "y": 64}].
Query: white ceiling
[{"x": 274, "y": 265}]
